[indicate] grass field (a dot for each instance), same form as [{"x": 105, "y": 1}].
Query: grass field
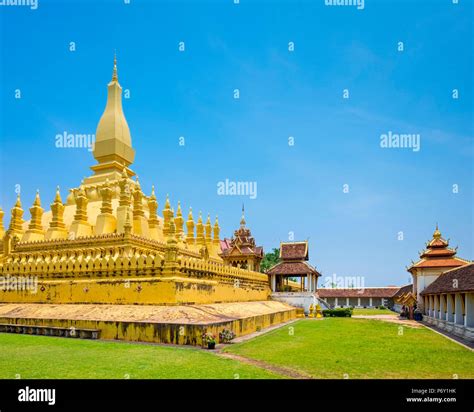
[
  {"x": 360, "y": 348},
  {"x": 371, "y": 311},
  {"x": 328, "y": 348},
  {"x": 48, "y": 357}
]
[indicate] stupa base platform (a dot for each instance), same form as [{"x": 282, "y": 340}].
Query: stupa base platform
[{"x": 182, "y": 324}]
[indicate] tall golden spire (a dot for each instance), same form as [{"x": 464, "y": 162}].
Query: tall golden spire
[{"x": 113, "y": 145}]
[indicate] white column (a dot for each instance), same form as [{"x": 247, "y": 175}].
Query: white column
[
  {"x": 347, "y": 301},
  {"x": 435, "y": 311},
  {"x": 335, "y": 303},
  {"x": 470, "y": 310},
  {"x": 458, "y": 318},
  {"x": 358, "y": 301},
  {"x": 442, "y": 307},
  {"x": 370, "y": 302},
  {"x": 450, "y": 309}
]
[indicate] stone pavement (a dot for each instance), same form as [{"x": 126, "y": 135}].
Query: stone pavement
[{"x": 180, "y": 314}]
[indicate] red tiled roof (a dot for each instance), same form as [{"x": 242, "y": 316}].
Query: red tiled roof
[
  {"x": 225, "y": 244},
  {"x": 462, "y": 277},
  {"x": 387, "y": 292},
  {"x": 438, "y": 252},
  {"x": 295, "y": 250},
  {"x": 440, "y": 242},
  {"x": 292, "y": 268},
  {"x": 435, "y": 262},
  {"x": 403, "y": 290}
]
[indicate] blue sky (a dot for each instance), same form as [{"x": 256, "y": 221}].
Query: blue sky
[{"x": 282, "y": 94}]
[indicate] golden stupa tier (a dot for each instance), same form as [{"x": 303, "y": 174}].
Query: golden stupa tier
[
  {"x": 118, "y": 250},
  {"x": 125, "y": 269}
]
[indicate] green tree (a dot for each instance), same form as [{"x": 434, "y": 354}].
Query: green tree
[{"x": 270, "y": 259}]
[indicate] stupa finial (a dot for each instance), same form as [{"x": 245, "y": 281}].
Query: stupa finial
[
  {"x": 114, "y": 74},
  {"x": 242, "y": 220},
  {"x": 37, "y": 201}
]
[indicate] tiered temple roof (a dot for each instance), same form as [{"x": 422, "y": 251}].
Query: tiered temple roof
[
  {"x": 438, "y": 254},
  {"x": 241, "y": 247},
  {"x": 294, "y": 257}
]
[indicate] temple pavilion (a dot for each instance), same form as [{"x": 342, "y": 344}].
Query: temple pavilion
[
  {"x": 293, "y": 263},
  {"x": 241, "y": 250}
]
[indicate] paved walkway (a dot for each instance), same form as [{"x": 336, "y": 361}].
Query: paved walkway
[{"x": 176, "y": 314}]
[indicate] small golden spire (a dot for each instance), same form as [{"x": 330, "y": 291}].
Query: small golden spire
[
  {"x": 18, "y": 200},
  {"x": 216, "y": 231},
  {"x": 178, "y": 211},
  {"x": 167, "y": 203},
  {"x": 153, "y": 192},
  {"x": 190, "y": 214},
  {"x": 37, "y": 201},
  {"x": 57, "y": 198},
  {"x": 437, "y": 233},
  {"x": 127, "y": 227}
]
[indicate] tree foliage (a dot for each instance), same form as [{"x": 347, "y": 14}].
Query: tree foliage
[{"x": 270, "y": 259}]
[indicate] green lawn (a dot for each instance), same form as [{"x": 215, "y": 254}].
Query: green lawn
[
  {"x": 328, "y": 348},
  {"x": 48, "y": 357},
  {"x": 360, "y": 348},
  {"x": 371, "y": 311}
]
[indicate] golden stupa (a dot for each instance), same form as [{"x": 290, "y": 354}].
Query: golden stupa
[{"x": 107, "y": 244}]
